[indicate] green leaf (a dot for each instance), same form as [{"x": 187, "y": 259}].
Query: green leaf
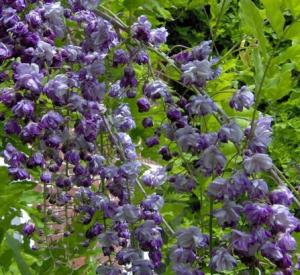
[
  {"x": 292, "y": 32},
  {"x": 253, "y": 22},
  {"x": 133, "y": 4},
  {"x": 274, "y": 15},
  {"x": 14, "y": 246}
]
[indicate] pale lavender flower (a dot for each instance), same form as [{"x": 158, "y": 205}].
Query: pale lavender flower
[
  {"x": 56, "y": 89},
  {"x": 229, "y": 214},
  {"x": 243, "y": 98},
  {"x": 230, "y": 131},
  {"x": 281, "y": 195},
  {"x": 155, "y": 176},
  {"x": 222, "y": 260},
  {"x": 257, "y": 162},
  {"x": 24, "y": 108},
  {"x": 141, "y": 29},
  {"x": 257, "y": 213},
  {"x": 54, "y": 13},
  {"x": 201, "y": 105},
  {"x": 158, "y": 36},
  {"x": 191, "y": 238}
]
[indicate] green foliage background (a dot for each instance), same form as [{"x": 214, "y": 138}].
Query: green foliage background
[{"x": 258, "y": 43}]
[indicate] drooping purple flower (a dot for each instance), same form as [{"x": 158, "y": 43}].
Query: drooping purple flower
[
  {"x": 143, "y": 104},
  {"x": 24, "y": 108},
  {"x": 51, "y": 120},
  {"x": 230, "y": 131},
  {"x": 257, "y": 162},
  {"x": 197, "y": 72},
  {"x": 12, "y": 127},
  {"x": 229, "y": 214},
  {"x": 242, "y": 98},
  {"x": 95, "y": 163},
  {"x": 152, "y": 141},
  {"x": 147, "y": 122},
  {"x": 12, "y": 156},
  {"x": 257, "y": 213},
  {"x": 37, "y": 159},
  {"x": 128, "y": 79},
  {"x": 173, "y": 114},
  {"x": 8, "y": 96},
  {"x": 158, "y": 36},
  {"x": 33, "y": 18},
  {"x": 286, "y": 242},
  {"x": 155, "y": 89},
  {"x": 46, "y": 177},
  {"x": 89, "y": 4},
  {"x": 93, "y": 90},
  {"x": 127, "y": 255},
  {"x": 241, "y": 241},
  {"x": 28, "y": 229},
  {"x": 108, "y": 270},
  {"x": 141, "y": 57},
  {"x": 54, "y": 13},
  {"x": 258, "y": 189},
  {"x": 56, "y": 89},
  {"x": 271, "y": 251},
  {"x": 72, "y": 156},
  {"x": 30, "y": 131},
  {"x": 239, "y": 184},
  {"x": 218, "y": 189},
  {"x": 127, "y": 212},
  {"x": 122, "y": 118},
  {"x": 182, "y": 255},
  {"x": 201, "y": 105},
  {"x": 27, "y": 76},
  {"x": 260, "y": 235},
  {"x": 116, "y": 91},
  {"x": 120, "y": 57},
  {"x": 149, "y": 236},
  {"x": 19, "y": 29},
  {"x": 191, "y": 238},
  {"x": 154, "y": 177},
  {"x": 182, "y": 183},
  {"x": 202, "y": 51},
  {"x": 211, "y": 161},
  {"x": 282, "y": 219},
  {"x": 142, "y": 267},
  {"x": 165, "y": 152},
  {"x": 18, "y": 173},
  {"x": 281, "y": 195},
  {"x": 5, "y": 52},
  {"x": 95, "y": 230},
  {"x": 187, "y": 138},
  {"x": 222, "y": 260},
  {"x": 141, "y": 29}
]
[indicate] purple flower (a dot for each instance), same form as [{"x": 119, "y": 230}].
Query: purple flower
[
  {"x": 165, "y": 152},
  {"x": 37, "y": 159},
  {"x": 24, "y": 108},
  {"x": 5, "y": 52},
  {"x": 51, "y": 120},
  {"x": 18, "y": 173},
  {"x": 257, "y": 213},
  {"x": 202, "y": 51},
  {"x": 92, "y": 90},
  {"x": 281, "y": 195},
  {"x": 197, "y": 72},
  {"x": 155, "y": 89},
  {"x": 187, "y": 138},
  {"x": 95, "y": 164},
  {"x": 158, "y": 36},
  {"x": 258, "y": 189},
  {"x": 211, "y": 161},
  {"x": 243, "y": 98},
  {"x": 230, "y": 131},
  {"x": 33, "y": 18},
  {"x": 12, "y": 127},
  {"x": 286, "y": 242},
  {"x": 30, "y": 131},
  {"x": 186, "y": 269},
  {"x": 116, "y": 91},
  {"x": 173, "y": 114},
  {"x": 149, "y": 236},
  {"x": 56, "y": 89},
  {"x": 20, "y": 29},
  {"x": 120, "y": 57},
  {"x": 241, "y": 241},
  {"x": 127, "y": 255},
  {"x": 271, "y": 251},
  {"x": 218, "y": 189},
  {"x": 201, "y": 105},
  {"x": 155, "y": 256},
  {"x": 143, "y": 104},
  {"x": 257, "y": 162},
  {"x": 122, "y": 118},
  {"x": 191, "y": 238},
  {"x": 152, "y": 141},
  {"x": 182, "y": 183},
  {"x": 54, "y": 13},
  {"x": 154, "y": 177},
  {"x": 147, "y": 122},
  {"x": 141, "y": 57},
  {"x": 141, "y": 29},
  {"x": 182, "y": 255},
  {"x": 46, "y": 177},
  {"x": 222, "y": 260},
  {"x": 142, "y": 267},
  {"x": 152, "y": 202},
  {"x": 89, "y": 4},
  {"x": 94, "y": 231},
  {"x": 12, "y": 156},
  {"x": 282, "y": 219},
  {"x": 8, "y": 96},
  {"x": 129, "y": 213},
  {"x": 229, "y": 214},
  {"x": 28, "y": 229},
  {"x": 72, "y": 157},
  {"x": 128, "y": 79},
  {"x": 27, "y": 76}
]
